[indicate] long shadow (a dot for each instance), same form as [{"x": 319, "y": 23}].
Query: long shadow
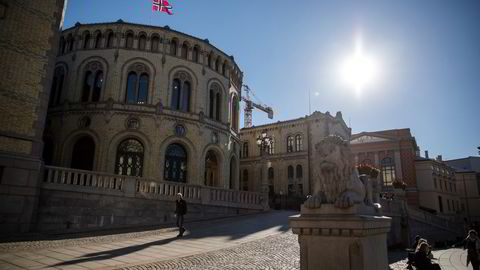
[{"x": 234, "y": 229}]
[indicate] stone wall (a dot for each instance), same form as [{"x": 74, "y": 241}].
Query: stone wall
[{"x": 28, "y": 43}]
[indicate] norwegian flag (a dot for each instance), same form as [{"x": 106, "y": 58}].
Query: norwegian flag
[{"x": 162, "y": 6}]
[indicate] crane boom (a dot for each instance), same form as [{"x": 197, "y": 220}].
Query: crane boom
[{"x": 249, "y": 105}]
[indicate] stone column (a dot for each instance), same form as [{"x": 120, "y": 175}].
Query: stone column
[{"x": 331, "y": 238}]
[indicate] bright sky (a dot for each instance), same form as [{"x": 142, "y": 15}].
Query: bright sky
[{"x": 427, "y": 55}]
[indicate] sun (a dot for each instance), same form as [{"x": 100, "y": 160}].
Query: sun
[{"x": 359, "y": 69}]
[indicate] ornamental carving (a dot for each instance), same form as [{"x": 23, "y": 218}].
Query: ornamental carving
[
  {"x": 138, "y": 67},
  {"x": 94, "y": 66},
  {"x": 183, "y": 76}
]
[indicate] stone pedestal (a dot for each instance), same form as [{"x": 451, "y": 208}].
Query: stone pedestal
[{"x": 345, "y": 239}]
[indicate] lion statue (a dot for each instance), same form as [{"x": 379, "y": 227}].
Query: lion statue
[{"x": 335, "y": 179}]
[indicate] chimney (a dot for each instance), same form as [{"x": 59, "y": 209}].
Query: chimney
[
  {"x": 439, "y": 158},
  {"x": 417, "y": 152},
  {"x": 426, "y": 154}
]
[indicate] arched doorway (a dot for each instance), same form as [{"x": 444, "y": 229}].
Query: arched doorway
[
  {"x": 47, "y": 154},
  {"x": 175, "y": 168},
  {"x": 211, "y": 169},
  {"x": 83, "y": 154}
]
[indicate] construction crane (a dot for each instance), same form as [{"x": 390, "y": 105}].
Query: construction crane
[{"x": 249, "y": 105}]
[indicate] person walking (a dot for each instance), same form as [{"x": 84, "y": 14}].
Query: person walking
[
  {"x": 472, "y": 245},
  {"x": 180, "y": 211}
]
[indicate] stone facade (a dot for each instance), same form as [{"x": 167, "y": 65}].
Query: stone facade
[
  {"x": 152, "y": 87},
  {"x": 393, "y": 152},
  {"x": 28, "y": 41},
  {"x": 288, "y": 165}
]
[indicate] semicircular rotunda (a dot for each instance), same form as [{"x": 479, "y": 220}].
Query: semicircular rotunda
[{"x": 144, "y": 101}]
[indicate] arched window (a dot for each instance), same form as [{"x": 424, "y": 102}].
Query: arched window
[
  {"x": 217, "y": 64},
  {"x": 83, "y": 154},
  {"x": 97, "y": 86},
  {"x": 299, "y": 171},
  {"x": 155, "y": 43},
  {"x": 195, "y": 54},
  {"x": 92, "y": 83},
  {"x": 270, "y": 173},
  {"x": 110, "y": 40},
  {"x": 289, "y": 144},
  {"x": 215, "y": 102},
  {"x": 57, "y": 86},
  {"x": 142, "y": 41},
  {"x": 212, "y": 103},
  {"x": 130, "y": 158},
  {"x": 181, "y": 92},
  {"x": 271, "y": 147},
  {"x": 129, "y": 41},
  {"x": 290, "y": 172},
  {"x": 173, "y": 47},
  {"x": 245, "y": 180},
  {"x": 245, "y": 149},
  {"x": 298, "y": 143},
  {"x": 175, "y": 168},
  {"x": 137, "y": 88},
  {"x": 234, "y": 124},
  {"x": 98, "y": 40},
  {"x": 388, "y": 171},
  {"x": 86, "y": 40},
  {"x": 218, "y": 99},
  {"x": 184, "y": 52}
]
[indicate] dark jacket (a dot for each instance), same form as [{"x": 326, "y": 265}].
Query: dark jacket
[{"x": 181, "y": 207}]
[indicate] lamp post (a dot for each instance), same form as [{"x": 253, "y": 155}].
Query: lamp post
[{"x": 263, "y": 143}]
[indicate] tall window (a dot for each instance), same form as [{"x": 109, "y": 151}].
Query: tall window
[
  {"x": 245, "y": 149},
  {"x": 137, "y": 88},
  {"x": 211, "y": 169},
  {"x": 217, "y": 64},
  {"x": 110, "y": 40},
  {"x": 195, "y": 54},
  {"x": 234, "y": 124},
  {"x": 299, "y": 171},
  {"x": 142, "y": 41},
  {"x": 98, "y": 40},
  {"x": 173, "y": 47},
  {"x": 440, "y": 204},
  {"x": 289, "y": 144},
  {"x": 83, "y": 154},
  {"x": 224, "y": 68},
  {"x": 63, "y": 45},
  {"x": 298, "y": 143},
  {"x": 70, "y": 42},
  {"x": 290, "y": 172},
  {"x": 129, "y": 41},
  {"x": 271, "y": 147},
  {"x": 233, "y": 171},
  {"x": 92, "y": 83},
  {"x": 245, "y": 180},
  {"x": 184, "y": 52},
  {"x": 388, "y": 171},
  {"x": 57, "y": 86},
  {"x": 155, "y": 43},
  {"x": 209, "y": 60},
  {"x": 86, "y": 40},
  {"x": 181, "y": 92},
  {"x": 215, "y": 100},
  {"x": 175, "y": 168},
  {"x": 130, "y": 158}
]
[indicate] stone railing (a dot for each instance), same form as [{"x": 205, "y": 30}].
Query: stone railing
[
  {"x": 432, "y": 219},
  {"x": 66, "y": 179}
]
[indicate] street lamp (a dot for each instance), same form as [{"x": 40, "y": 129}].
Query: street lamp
[{"x": 264, "y": 142}]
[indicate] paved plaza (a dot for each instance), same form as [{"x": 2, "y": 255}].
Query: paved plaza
[{"x": 261, "y": 241}]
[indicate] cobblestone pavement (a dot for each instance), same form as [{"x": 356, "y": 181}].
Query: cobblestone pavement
[{"x": 250, "y": 242}]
